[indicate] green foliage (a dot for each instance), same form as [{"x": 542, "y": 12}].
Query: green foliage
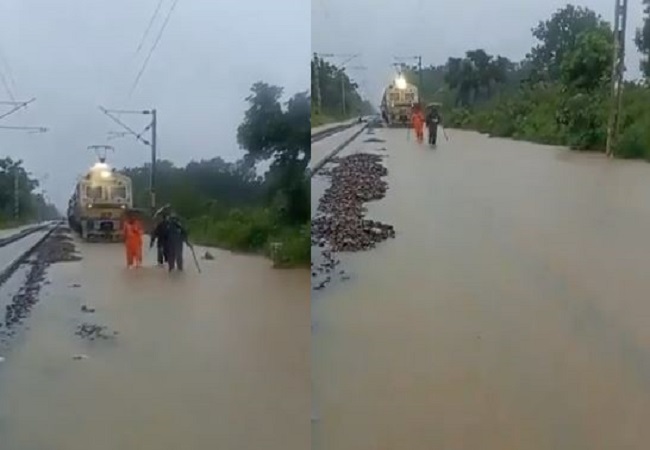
[
  {"x": 336, "y": 88},
  {"x": 642, "y": 40},
  {"x": 558, "y": 37},
  {"x": 635, "y": 123},
  {"x": 227, "y": 204},
  {"x": 32, "y": 205},
  {"x": 587, "y": 66},
  {"x": 560, "y": 94}
]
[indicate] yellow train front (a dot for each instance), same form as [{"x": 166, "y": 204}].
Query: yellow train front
[
  {"x": 397, "y": 103},
  {"x": 97, "y": 208}
]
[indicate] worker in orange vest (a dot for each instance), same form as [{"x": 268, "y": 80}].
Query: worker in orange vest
[
  {"x": 133, "y": 242},
  {"x": 417, "y": 119}
]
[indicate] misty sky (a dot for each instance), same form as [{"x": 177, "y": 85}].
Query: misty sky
[
  {"x": 381, "y": 29},
  {"x": 73, "y": 55}
]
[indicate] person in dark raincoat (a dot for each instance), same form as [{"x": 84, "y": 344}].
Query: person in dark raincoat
[
  {"x": 159, "y": 236},
  {"x": 433, "y": 120},
  {"x": 176, "y": 237}
]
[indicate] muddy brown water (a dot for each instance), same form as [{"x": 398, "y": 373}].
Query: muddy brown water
[
  {"x": 212, "y": 360},
  {"x": 512, "y": 311}
]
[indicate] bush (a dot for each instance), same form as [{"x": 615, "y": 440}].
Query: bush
[
  {"x": 294, "y": 247},
  {"x": 246, "y": 230},
  {"x": 253, "y": 230},
  {"x": 634, "y": 142}
]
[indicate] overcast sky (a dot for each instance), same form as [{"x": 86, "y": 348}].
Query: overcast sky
[
  {"x": 381, "y": 29},
  {"x": 73, "y": 55}
]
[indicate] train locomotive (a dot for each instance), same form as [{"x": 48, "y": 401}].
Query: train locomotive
[
  {"x": 397, "y": 103},
  {"x": 99, "y": 203}
]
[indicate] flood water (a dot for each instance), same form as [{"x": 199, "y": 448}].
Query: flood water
[
  {"x": 512, "y": 311},
  {"x": 201, "y": 361}
]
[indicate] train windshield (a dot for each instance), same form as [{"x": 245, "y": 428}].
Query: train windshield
[
  {"x": 118, "y": 193},
  {"x": 94, "y": 192}
]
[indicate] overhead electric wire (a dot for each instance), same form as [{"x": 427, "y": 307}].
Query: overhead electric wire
[
  {"x": 151, "y": 21},
  {"x": 153, "y": 47},
  {"x": 16, "y": 108}
]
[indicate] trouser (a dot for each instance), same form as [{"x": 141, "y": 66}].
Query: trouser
[
  {"x": 133, "y": 254},
  {"x": 175, "y": 255},
  {"x": 433, "y": 134},
  {"x": 162, "y": 253},
  {"x": 419, "y": 133}
]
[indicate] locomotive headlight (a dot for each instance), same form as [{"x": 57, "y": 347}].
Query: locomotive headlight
[
  {"x": 400, "y": 82},
  {"x": 105, "y": 174}
]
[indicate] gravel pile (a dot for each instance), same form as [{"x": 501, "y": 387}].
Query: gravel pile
[
  {"x": 93, "y": 331},
  {"x": 341, "y": 225},
  {"x": 58, "y": 247}
]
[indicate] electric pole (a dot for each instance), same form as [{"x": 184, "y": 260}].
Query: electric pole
[
  {"x": 149, "y": 143},
  {"x": 317, "y": 83},
  {"x": 16, "y": 194},
  {"x": 618, "y": 69}
]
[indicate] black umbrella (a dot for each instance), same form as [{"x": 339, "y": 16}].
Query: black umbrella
[{"x": 162, "y": 209}]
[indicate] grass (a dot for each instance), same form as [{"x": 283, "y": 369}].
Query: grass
[
  {"x": 318, "y": 120},
  {"x": 11, "y": 223},
  {"x": 254, "y": 231},
  {"x": 552, "y": 116}
]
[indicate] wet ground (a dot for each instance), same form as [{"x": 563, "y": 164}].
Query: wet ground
[
  {"x": 117, "y": 359},
  {"x": 511, "y": 310}
]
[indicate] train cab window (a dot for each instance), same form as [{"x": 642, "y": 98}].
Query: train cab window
[
  {"x": 94, "y": 193},
  {"x": 118, "y": 193},
  {"x": 394, "y": 96},
  {"x": 410, "y": 96}
]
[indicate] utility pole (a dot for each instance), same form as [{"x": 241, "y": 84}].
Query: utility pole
[
  {"x": 317, "y": 83},
  {"x": 16, "y": 194},
  {"x": 618, "y": 69},
  {"x": 149, "y": 143},
  {"x": 343, "y": 91}
]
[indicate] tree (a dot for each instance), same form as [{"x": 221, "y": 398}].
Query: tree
[
  {"x": 334, "y": 83},
  {"x": 642, "y": 40},
  {"x": 558, "y": 36},
  {"x": 284, "y": 136},
  {"x": 32, "y": 205},
  {"x": 482, "y": 70},
  {"x": 587, "y": 66},
  {"x": 477, "y": 76}
]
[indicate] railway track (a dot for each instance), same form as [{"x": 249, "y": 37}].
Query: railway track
[
  {"x": 14, "y": 250},
  {"x": 319, "y": 136},
  {"x": 335, "y": 150}
]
